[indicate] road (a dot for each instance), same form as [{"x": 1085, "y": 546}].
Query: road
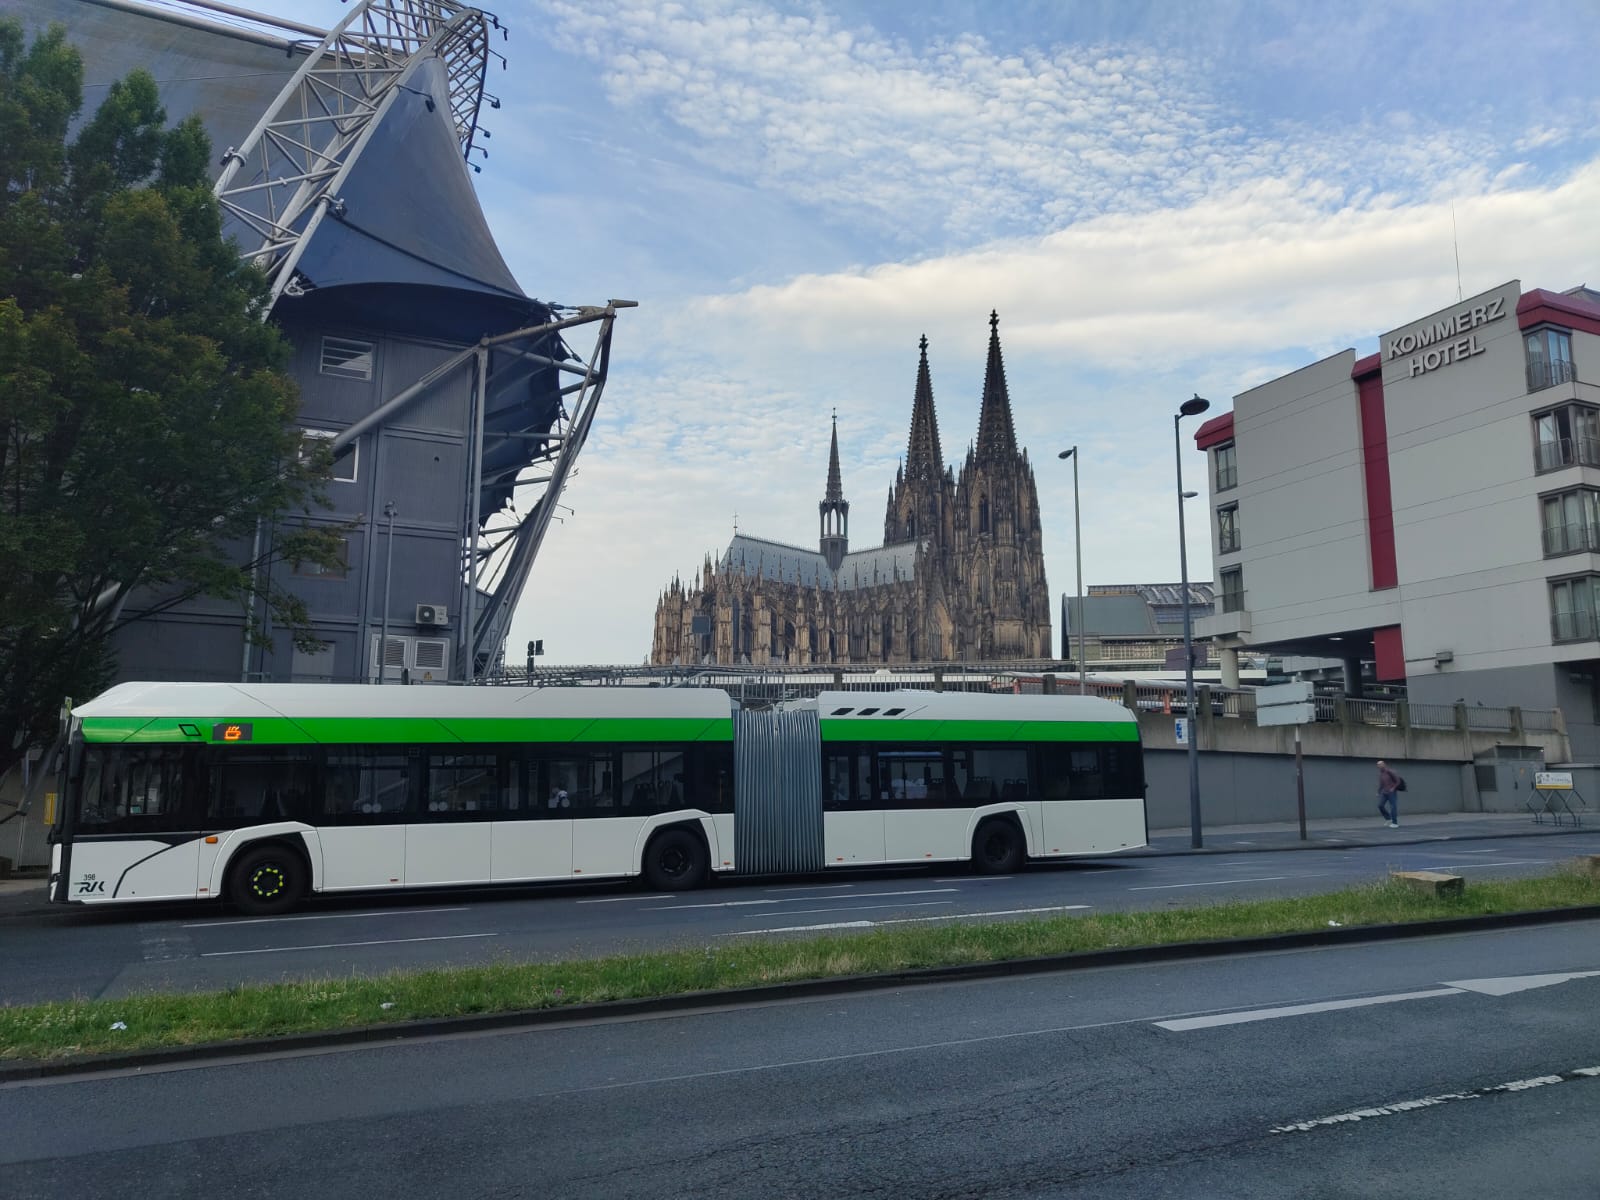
[
  {"x": 66, "y": 953},
  {"x": 1465, "y": 1065}
]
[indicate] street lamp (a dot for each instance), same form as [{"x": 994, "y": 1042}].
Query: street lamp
[
  {"x": 1077, "y": 540},
  {"x": 1189, "y": 408}
]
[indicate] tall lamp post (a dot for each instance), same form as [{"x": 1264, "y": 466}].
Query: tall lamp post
[
  {"x": 390, "y": 511},
  {"x": 1077, "y": 540},
  {"x": 1189, "y": 408}
]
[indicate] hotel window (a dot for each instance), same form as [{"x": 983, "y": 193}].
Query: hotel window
[
  {"x": 1570, "y": 521},
  {"x": 1227, "y": 471},
  {"x": 1573, "y": 604},
  {"x": 1566, "y": 436},
  {"x": 1549, "y": 358},
  {"x": 1227, "y": 529},
  {"x": 1233, "y": 590}
]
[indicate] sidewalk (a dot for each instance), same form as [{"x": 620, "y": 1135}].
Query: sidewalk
[{"x": 1359, "y": 831}]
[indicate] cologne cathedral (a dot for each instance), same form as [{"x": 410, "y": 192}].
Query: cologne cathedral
[{"x": 959, "y": 576}]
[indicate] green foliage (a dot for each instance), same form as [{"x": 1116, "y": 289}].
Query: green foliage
[{"x": 145, "y": 413}]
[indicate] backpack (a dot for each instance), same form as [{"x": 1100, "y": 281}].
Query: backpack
[{"x": 1400, "y": 785}]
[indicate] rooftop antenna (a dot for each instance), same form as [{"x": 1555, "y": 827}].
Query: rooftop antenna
[{"x": 1457, "y": 242}]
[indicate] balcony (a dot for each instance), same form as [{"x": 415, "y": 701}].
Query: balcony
[
  {"x": 1567, "y": 452},
  {"x": 1570, "y": 539},
  {"x": 1572, "y": 627},
  {"x": 1548, "y": 374}
]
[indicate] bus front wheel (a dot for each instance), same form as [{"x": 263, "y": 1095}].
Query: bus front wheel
[
  {"x": 674, "y": 861},
  {"x": 998, "y": 848},
  {"x": 269, "y": 879}
]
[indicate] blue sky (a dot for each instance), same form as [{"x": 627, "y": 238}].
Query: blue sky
[{"x": 1158, "y": 198}]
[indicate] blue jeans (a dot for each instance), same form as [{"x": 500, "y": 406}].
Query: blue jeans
[{"x": 1389, "y": 807}]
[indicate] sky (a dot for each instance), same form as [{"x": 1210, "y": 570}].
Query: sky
[{"x": 1159, "y": 200}]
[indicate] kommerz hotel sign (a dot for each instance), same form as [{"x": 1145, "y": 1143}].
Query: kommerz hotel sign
[{"x": 1449, "y": 339}]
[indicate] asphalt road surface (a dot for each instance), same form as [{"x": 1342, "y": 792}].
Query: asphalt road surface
[
  {"x": 1466, "y": 1065},
  {"x": 63, "y": 953}
]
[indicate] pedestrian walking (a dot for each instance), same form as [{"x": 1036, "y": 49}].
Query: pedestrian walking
[{"x": 1389, "y": 787}]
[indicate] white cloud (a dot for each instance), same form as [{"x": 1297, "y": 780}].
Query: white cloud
[{"x": 721, "y": 404}]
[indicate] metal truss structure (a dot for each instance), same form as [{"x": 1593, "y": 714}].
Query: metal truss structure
[
  {"x": 500, "y": 547},
  {"x": 277, "y": 187}
]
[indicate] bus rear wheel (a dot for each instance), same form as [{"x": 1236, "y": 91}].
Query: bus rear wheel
[
  {"x": 267, "y": 880},
  {"x": 674, "y": 861},
  {"x": 998, "y": 848}
]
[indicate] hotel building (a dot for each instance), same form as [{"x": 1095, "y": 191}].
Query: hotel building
[{"x": 1429, "y": 514}]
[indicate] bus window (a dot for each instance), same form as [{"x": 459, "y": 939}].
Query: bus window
[
  {"x": 253, "y": 789},
  {"x": 368, "y": 785},
  {"x": 652, "y": 780},
  {"x": 911, "y": 778},
  {"x": 462, "y": 784},
  {"x": 579, "y": 781},
  {"x": 135, "y": 790},
  {"x": 1072, "y": 772}
]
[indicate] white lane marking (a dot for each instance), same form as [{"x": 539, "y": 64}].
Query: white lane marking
[
  {"x": 1298, "y": 1010},
  {"x": 449, "y": 937},
  {"x": 1517, "y": 983},
  {"x": 1400, "y": 1106},
  {"x": 975, "y": 879},
  {"x": 387, "y": 912},
  {"x": 1008, "y": 912},
  {"x": 844, "y": 908},
  {"x": 812, "y": 887},
  {"x": 1516, "y": 862},
  {"x": 795, "y": 900},
  {"x": 1162, "y": 887},
  {"x": 621, "y": 899}
]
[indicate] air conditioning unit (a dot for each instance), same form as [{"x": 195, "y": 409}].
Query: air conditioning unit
[{"x": 431, "y": 614}]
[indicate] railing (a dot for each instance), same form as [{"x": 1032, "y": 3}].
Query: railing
[
  {"x": 1569, "y": 539},
  {"x": 1567, "y": 452},
  {"x": 1433, "y": 716},
  {"x": 1572, "y": 626},
  {"x": 1479, "y": 717},
  {"x": 1374, "y": 712},
  {"x": 1548, "y": 374}
]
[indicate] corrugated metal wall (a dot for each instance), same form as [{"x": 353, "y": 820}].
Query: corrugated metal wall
[{"x": 778, "y": 792}]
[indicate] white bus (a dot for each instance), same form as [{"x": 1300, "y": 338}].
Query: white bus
[{"x": 261, "y": 794}]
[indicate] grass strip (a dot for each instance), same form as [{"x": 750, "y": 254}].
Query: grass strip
[{"x": 58, "y": 1029}]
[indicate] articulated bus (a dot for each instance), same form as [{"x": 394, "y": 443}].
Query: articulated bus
[{"x": 261, "y": 794}]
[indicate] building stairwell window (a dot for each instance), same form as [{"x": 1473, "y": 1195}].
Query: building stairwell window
[{"x": 1228, "y": 529}]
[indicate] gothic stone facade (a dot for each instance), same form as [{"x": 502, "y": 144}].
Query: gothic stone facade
[{"x": 959, "y": 577}]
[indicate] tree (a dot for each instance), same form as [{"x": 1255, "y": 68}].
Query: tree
[{"x": 146, "y": 417}]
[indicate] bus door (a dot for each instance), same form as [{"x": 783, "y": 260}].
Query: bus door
[
  {"x": 367, "y": 804},
  {"x": 852, "y": 813},
  {"x": 463, "y": 792},
  {"x": 256, "y": 789},
  {"x": 920, "y": 820},
  {"x": 534, "y": 841}
]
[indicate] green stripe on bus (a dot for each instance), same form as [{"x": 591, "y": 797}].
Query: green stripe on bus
[
  {"x": 844, "y": 729},
  {"x": 280, "y": 731}
]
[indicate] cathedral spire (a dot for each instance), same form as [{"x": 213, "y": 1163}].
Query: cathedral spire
[
  {"x": 833, "y": 514},
  {"x": 924, "y": 459},
  {"x": 835, "y": 492},
  {"x": 996, "y": 437}
]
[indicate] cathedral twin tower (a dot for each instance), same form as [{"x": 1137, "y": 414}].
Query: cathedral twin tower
[{"x": 959, "y": 577}]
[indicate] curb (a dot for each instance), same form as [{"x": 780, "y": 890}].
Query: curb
[
  {"x": 688, "y": 1002},
  {"x": 1342, "y": 844}
]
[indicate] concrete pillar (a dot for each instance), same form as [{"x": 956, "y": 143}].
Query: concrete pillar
[
  {"x": 1130, "y": 698},
  {"x": 1048, "y": 682},
  {"x": 1352, "y": 678},
  {"x": 1230, "y": 668},
  {"x": 938, "y": 679}
]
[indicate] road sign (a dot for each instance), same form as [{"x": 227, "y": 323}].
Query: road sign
[
  {"x": 1284, "y": 693},
  {"x": 1180, "y": 730},
  {"x": 1286, "y": 714}
]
